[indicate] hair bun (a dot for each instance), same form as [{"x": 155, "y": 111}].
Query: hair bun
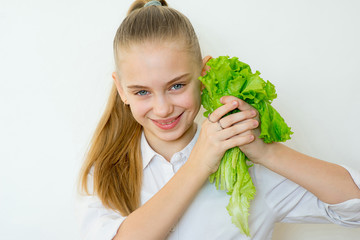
[{"x": 137, "y": 4}]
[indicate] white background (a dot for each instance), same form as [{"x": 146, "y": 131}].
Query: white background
[{"x": 55, "y": 75}]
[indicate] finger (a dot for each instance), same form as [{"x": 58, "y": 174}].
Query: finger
[
  {"x": 239, "y": 140},
  {"x": 242, "y": 105},
  {"x": 237, "y": 118},
  {"x": 221, "y": 111},
  {"x": 237, "y": 129}
]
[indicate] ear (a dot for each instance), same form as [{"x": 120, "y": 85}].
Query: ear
[
  {"x": 205, "y": 67},
  {"x": 119, "y": 87}
]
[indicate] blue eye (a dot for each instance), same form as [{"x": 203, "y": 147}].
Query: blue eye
[
  {"x": 142, "y": 93},
  {"x": 177, "y": 86}
]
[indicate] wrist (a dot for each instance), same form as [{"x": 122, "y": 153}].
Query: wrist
[
  {"x": 199, "y": 168},
  {"x": 271, "y": 150}
]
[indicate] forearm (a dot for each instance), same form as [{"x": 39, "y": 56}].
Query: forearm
[
  {"x": 331, "y": 183},
  {"x": 156, "y": 217}
]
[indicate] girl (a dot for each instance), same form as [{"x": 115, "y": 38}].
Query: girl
[{"x": 145, "y": 176}]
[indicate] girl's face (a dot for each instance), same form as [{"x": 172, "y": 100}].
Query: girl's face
[{"x": 160, "y": 83}]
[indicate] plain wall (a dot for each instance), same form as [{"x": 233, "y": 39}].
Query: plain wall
[{"x": 55, "y": 75}]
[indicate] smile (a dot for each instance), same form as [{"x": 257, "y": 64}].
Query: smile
[{"x": 168, "y": 123}]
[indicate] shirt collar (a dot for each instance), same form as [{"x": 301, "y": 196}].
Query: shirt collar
[{"x": 148, "y": 153}]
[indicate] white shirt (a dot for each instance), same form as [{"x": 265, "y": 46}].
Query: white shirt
[{"x": 277, "y": 200}]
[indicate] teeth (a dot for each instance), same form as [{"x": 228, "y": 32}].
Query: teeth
[{"x": 168, "y": 122}]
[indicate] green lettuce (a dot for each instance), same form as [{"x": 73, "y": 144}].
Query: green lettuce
[{"x": 229, "y": 76}]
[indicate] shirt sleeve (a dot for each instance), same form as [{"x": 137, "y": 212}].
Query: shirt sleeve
[
  {"x": 292, "y": 203},
  {"x": 96, "y": 222}
]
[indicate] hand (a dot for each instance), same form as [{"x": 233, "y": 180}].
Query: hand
[
  {"x": 219, "y": 133},
  {"x": 257, "y": 151}
]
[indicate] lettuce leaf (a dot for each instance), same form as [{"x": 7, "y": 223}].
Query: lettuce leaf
[{"x": 229, "y": 76}]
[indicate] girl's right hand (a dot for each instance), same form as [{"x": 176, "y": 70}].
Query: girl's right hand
[{"x": 215, "y": 139}]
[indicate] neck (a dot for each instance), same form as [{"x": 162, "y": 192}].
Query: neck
[{"x": 168, "y": 148}]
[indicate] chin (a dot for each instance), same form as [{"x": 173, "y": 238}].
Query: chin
[{"x": 172, "y": 136}]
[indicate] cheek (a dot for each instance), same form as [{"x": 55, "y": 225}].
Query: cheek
[
  {"x": 139, "y": 109},
  {"x": 191, "y": 99}
]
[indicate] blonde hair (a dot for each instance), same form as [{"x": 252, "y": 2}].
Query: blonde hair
[{"x": 114, "y": 153}]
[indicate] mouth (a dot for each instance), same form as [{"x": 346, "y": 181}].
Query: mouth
[{"x": 167, "y": 123}]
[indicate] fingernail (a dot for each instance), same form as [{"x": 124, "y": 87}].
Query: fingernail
[{"x": 234, "y": 103}]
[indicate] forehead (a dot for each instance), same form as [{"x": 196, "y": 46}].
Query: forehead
[{"x": 150, "y": 63}]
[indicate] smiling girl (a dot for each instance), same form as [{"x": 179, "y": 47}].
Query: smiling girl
[{"x": 145, "y": 175}]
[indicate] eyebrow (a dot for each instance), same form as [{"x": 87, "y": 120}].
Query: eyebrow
[{"x": 169, "y": 83}]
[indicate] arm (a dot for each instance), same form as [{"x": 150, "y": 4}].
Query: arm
[
  {"x": 156, "y": 217},
  {"x": 325, "y": 180}
]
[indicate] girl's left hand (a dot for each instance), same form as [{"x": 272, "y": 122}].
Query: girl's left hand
[{"x": 257, "y": 150}]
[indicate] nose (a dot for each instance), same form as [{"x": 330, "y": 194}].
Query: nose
[{"x": 162, "y": 106}]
